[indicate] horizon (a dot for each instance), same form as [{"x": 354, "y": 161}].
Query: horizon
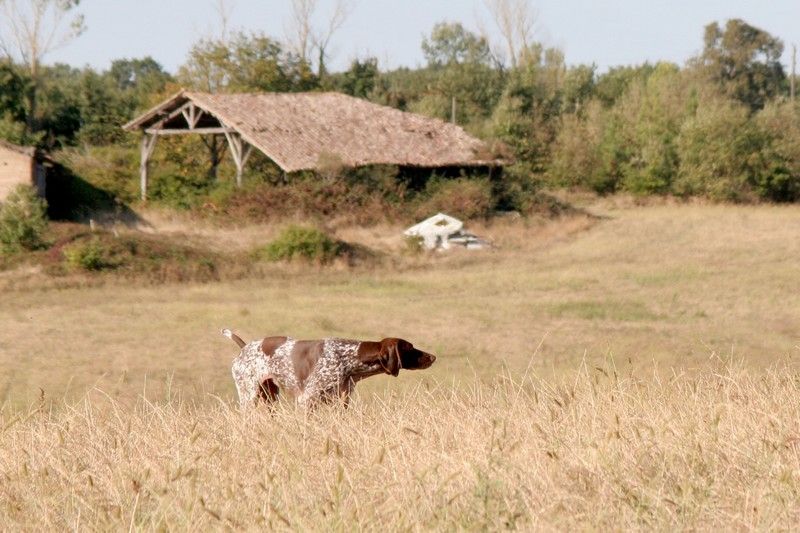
[{"x": 393, "y": 35}]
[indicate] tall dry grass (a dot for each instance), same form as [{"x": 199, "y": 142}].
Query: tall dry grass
[{"x": 595, "y": 451}]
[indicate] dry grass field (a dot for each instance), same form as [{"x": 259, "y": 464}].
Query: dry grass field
[{"x": 637, "y": 370}]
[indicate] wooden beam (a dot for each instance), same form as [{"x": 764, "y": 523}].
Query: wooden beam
[
  {"x": 148, "y": 145},
  {"x": 186, "y": 131},
  {"x": 180, "y": 111},
  {"x": 191, "y": 114}
]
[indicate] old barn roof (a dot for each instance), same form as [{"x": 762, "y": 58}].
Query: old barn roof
[{"x": 295, "y": 129}]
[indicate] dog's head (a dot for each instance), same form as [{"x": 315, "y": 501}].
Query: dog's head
[{"x": 396, "y": 353}]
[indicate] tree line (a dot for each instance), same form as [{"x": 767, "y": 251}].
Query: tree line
[{"x": 722, "y": 126}]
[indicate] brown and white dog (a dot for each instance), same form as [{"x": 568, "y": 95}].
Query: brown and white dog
[{"x": 318, "y": 370}]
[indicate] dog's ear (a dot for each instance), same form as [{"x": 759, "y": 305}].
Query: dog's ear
[{"x": 389, "y": 357}]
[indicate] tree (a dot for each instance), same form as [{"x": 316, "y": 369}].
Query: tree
[
  {"x": 779, "y": 122},
  {"x": 13, "y": 86},
  {"x": 651, "y": 113},
  {"x": 744, "y": 61},
  {"x": 721, "y": 153},
  {"x": 307, "y": 38},
  {"x": 611, "y": 85},
  {"x": 460, "y": 69},
  {"x": 451, "y": 43},
  {"x": 34, "y": 28},
  {"x": 224, "y": 9},
  {"x": 360, "y": 79},
  {"x": 245, "y": 62},
  {"x": 526, "y": 117},
  {"x": 515, "y": 19}
]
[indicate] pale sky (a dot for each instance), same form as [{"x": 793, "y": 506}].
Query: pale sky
[{"x": 607, "y": 33}]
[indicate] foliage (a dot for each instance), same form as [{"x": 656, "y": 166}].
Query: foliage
[
  {"x": 360, "y": 79},
  {"x": 90, "y": 256},
  {"x": 720, "y": 152},
  {"x": 451, "y": 43},
  {"x": 780, "y": 124},
  {"x": 245, "y": 62},
  {"x": 461, "y": 197},
  {"x": 302, "y": 242},
  {"x": 744, "y": 61},
  {"x": 23, "y": 220},
  {"x": 584, "y": 151},
  {"x": 134, "y": 255},
  {"x": 13, "y": 86},
  {"x": 178, "y": 190},
  {"x": 636, "y": 128}
]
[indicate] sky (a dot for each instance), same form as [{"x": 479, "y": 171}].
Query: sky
[{"x": 606, "y": 33}]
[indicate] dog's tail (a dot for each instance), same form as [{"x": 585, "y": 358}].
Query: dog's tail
[{"x": 234, "y": 337}]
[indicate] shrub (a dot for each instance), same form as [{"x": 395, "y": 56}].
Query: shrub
[
  {"x": 301, "y": 242},
  {"x": 90, "y": 255},
  {"x": 461, "y": 197},
  {"x": 23, "y": 220},
  {"x": 371, "y": 197},
  {"x": 179, "y": 191}
]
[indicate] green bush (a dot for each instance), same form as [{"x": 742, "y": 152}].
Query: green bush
[
  {"x": 301, "y": 242},
  {"x": 23, "y": 220},
  {"x": 90, "y": 255}
]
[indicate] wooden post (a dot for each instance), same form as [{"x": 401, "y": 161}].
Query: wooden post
[
  {"x": 794, "y": 63},
  {"x": 240, "y": 151},
  {"x": 148, "y": 144},
  {"x": 453, "y": 110}
]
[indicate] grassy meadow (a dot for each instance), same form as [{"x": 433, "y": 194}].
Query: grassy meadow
[{"x": 632, "y": 369}]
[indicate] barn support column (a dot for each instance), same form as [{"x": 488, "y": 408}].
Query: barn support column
[
  {"x": 148, "y": 145},
  {"x": 240, "y": 151}
]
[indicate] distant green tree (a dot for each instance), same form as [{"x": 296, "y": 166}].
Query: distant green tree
[
  {"x": 245, "y": 62},
  {"x": 33, "y": 29},
  {"x": 744, "y": 61},
  {"x": 451, "y": 43},
  {"x": 462, "y": 71},
  {"x": 13, "y": 87},
  {"x": 613, "y": 84},
  {"x": 578, "y": 88},
  {"x": 137, "y": 80},
  {"x": 59, "y": 105},
  {"x": 360, "y": 79},
  {"x": 526, "y": 116},
  {"x": 103, "y": 109},
  {"x": 779, "y": 123},
  {"x": 13, "y": 84},
  {"x": 721, "y": 153},
  {"x": 577, "y": 155},
  {"x": 652, "y": 112}
]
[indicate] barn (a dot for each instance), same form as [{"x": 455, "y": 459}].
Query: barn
[
  {"x": 300, "y": 131},
  {"x": 21, "y": 164}
]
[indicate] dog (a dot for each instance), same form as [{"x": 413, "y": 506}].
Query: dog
[{"x": 316, "y": 371}]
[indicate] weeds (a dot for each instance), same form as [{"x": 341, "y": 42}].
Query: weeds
[{"x": 595, "y": 451}]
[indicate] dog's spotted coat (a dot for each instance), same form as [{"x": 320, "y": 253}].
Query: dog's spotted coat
[
  {"x": 253, "y": 367},
  {"x": 330, "y": 377},
  {"x": 316, "y": 371}
]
